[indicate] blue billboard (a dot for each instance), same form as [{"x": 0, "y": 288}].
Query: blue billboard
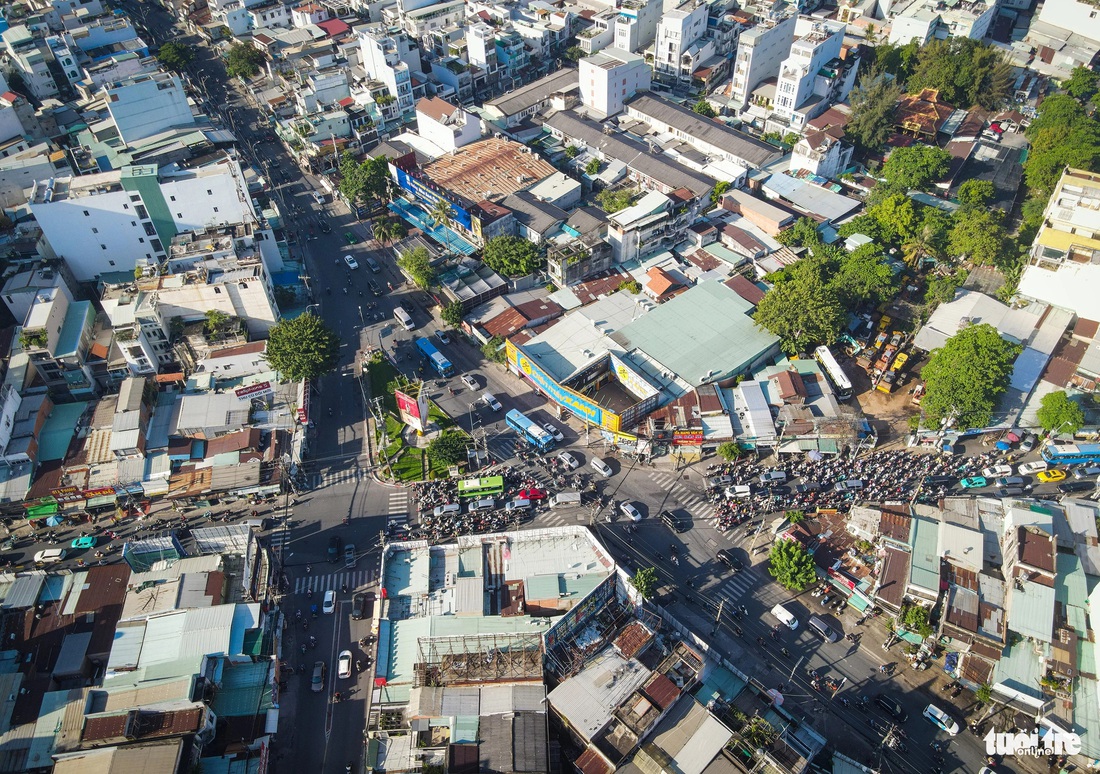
[
  {"x": 578, "y": 404},
  {"x": 428, "y": 193}
]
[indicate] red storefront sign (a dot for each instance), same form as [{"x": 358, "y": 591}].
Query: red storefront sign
[
  {"x": 106, "y": 491},
  {"x": 687, "y": 438},
  {"x": 68, "y": 494}
]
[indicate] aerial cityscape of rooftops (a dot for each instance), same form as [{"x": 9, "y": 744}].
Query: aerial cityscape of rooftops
[{"x": 549, "y": 386}]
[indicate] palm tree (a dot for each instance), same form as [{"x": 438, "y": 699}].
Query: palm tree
[
  {"x": 922, "y": 243},
  {"x": 384, "y": 231},
  {"x": 441, "y": 216}
]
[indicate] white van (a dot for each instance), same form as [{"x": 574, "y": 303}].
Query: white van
[
  {"x": 519, "y": 504},
  {"x": 738, "y": 491},
  {"x": 50, "y": 555},
  {"x": 485, "y": 504},
  {"x": 1027, "y": 468},
  {"x": 773, "y": 477},
  {"x": 565, "y": 498},
  {"x": 940, "y": 718},
  {"x": 402, "y": 317},
  {"x": 785, "y": 617},
  {"x": 822, "y": 629},
  {"x": 600, "y": 467},
  {"x": 442, "y": 510},
  {"x": 491, "y": 401}
]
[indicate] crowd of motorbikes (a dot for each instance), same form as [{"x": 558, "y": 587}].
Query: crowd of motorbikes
[{"x": 811, "y": 483}]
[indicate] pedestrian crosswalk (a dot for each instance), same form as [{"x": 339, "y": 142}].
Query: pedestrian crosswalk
[
  {"x": 560, "y": 517},
  {"x": 696, "y": 504},
  {"x": 335, "y": 477},
  {"x": 397, "y": 503},
  {"x": 319, "y": 583},
  {"x": 735, "y": 587}
]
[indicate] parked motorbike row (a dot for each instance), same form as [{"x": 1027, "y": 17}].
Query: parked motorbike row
[{"x": 811, "y": 484}]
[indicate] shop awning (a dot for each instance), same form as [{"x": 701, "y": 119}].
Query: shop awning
[{"x": 41, "y": 511}]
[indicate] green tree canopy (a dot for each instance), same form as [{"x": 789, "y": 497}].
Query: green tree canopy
[
  {"x": 1058, "y": 414},
  {"x": 896, "y": 60},
  {"x": 175, "y": 56},
  {"x": 941, "y": 288},
  {"x": 791, "y": 565},
  {"x": 645, "y": 580},
  {"x": 929, "y": 239},
  {"x": 863, "y": 276},
  {"x": 452, "y": 314},
  {"x": 803, "y": 310},
  {"x": 1062, "y": 134},
  {"x": 978, "y": 233},
  {"x": 418, "y": 265},
  {"x": 703, "y": 108},
  {"x": 966, "y": 73},
  {"x": 802, "y": 233},
  {"x": 872, "y": 119},
  {"x": 243, "y": 61},
  {"x": 448, "y": 448},
  {"x": 1081, "y": 83},
  {"x": 976, "y": 193},
  {"x": 592, "y": 167},
  {"x": 897, "y": 218},
  {"x": 574, "y": 53},
  {"x": 730, "y": 451},
  {"x": 612, "y": 200},
  {"x": 915, "y": 618},
  {"x": 865, "y": 223},
  {"x": 302, "y": 347},
  {"x": 964, "y": 378},
  {"x": 918, "y": 166},
  {"x": 494, "y": 350},
  {"x": 719, "y": 188},
  {"x": 512, "y": 256}
]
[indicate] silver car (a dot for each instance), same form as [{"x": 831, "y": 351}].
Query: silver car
[{"x": 569, "y": 460}]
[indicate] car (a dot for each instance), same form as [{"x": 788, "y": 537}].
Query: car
[
  {"x": 443, "y": 337},
  {"x": 630, "y": 511},
  {"x": 351, "y": 262},
  {"x": 1027, "y": 443},
  {"x": 1009, "y": 491},
  {"x": 773, "y": 477},
  {"x": 779, "y": 491},
  {"x": 974, "y": 482},
  {"x": 807, "y": 486},
  {"x": 317, "y": 682},
  {"x": 941, "y": 719},
  {"x": 358, "y": 606},
  {"x": 1050, "y": 476},
  {"x": 491, "y": 401},
  {"x": 1086, "y": 471},
  {"x": 1011, "y": 481},
  {"x": 997, "y": 470},
  {"x": 717, "y": 482},
  {"x": 1032, "y": 467},
  {"x": 49, "y": 555},
  {"x": 554, "y": 431},
  {"x": 1076, "y": 486},
  {"x": 940, "y": 481},
  {"x": 469, "y": 381},
  {"x": 892, "y": 707},
  {"x": 569, "y": 460},
  {"x": 675, "y": 522},
  {"x": 373, "y": 265},
  {"x": 87, "y": 541},
  {"x": 343, "y": 664},
  {"x": 325, "y": 227},
  {"x": 601, "y": 467},
  {"x": 335, "y": 546},
  {"x": 531, "y": 494},
  {"x": 731, "y": 561},
  {"x": 350, "y": 557},
  {"x": 329, "y": 604},
  {"x": 350, "y": 238},
  {"x": 374, "y": 287}
]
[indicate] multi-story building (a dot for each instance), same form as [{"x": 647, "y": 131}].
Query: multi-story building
[
  {"x": 652, "y": 224},
  {"x": 114, "y": 221},
  {"x": 1079, "y": 16},
  {"x": 760, "y": 52},
  {"x": 447, "y": 126},
  {"x": 611, "y": 77},
  {"x": 54, "y": 11},
  {"x": 822, "y": 150},
  {"x": 680, "y": 45},
  {"x": 420, "y": 23},
  {"x": 813, "y": 76},
  {"x": 145, "y": 105},
  {"x": 1064, "y": 265},
  {"x": 600, "y": 33},
  {"x": 56, "y": 335},
  {"x": 513, "y": 56},
  {"x": 391, "y": 57},
  {"x": 923, "y": 20},
  {"x": 636, "y": 24},
  {"x": 456, "y": 75},
  {"x": 33, "y": 60}
]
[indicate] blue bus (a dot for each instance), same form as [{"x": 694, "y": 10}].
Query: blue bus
[
  {"x": 441, "y": 364},
  {"x": 1071, "y": 453},
  {"x": 531, "y": 431}
]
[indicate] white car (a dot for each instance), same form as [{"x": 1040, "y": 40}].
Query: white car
[
  {"x": 554, "y": 432},
  {"x": 630, "y": 511},
  {"x": 351, "y": 262},
  {"x": 470, "y": 382},
  {"x": 343, "y": 666},
  {"x": 997, "y": 471},
  {"x": 569, "y": 460},
  {"x": 329, "y": 604},
  {"x": 443, "y": 337}
]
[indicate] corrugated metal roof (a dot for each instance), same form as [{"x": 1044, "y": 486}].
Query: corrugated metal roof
[
  {"x": 1029, "y": 613},
  {"x": 126, "y": 649},
  {"x": 461, "y": 701},
  {"x": 208, "y": 630},
  {"x": 465, "y": 729},
  {"x": 924, "y": 569},
  {"x": 529, "y": 750},
  {"x": 469, "y": 596},
  {"x": 74, "y": 649},
  {"x": 24, "y": 592},
  {"x": 243, "y": 688},
  {"x": 245, "y": 617},
  {"x": 542, "y": 587}
]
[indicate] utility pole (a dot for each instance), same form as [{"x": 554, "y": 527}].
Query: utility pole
[{"x": 718, "y": 616}]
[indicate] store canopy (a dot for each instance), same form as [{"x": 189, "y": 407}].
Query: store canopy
[{"x": 41, "y": 510}]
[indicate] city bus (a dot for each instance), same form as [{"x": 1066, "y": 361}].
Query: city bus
[
  {"x": 842, "y": 386},
  {"x": 481, "y": 487},
  {"x": 1071, "y": 453},
  {"x": 531, "y": 431},
  {"x": 441, "y": 364}
]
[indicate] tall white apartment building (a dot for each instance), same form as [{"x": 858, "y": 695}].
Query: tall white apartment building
[
  {"x": 813, "y": 76},
  {"x": 389, "y": 56},
  {"x": 680, "y": 47},
  {"x": 760, "y": 52},
  {"x": 145, "y": 105},
  {"x": 611, "y": 77},
  {"x": 636, "y": 24},
  {"x": 923, "y": 20},
  {"x": 114, "y": 221},
  {"x": 600, "y": 34}
]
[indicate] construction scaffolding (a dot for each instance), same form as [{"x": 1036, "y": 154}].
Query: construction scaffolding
[{"x": 467, "y": 659}]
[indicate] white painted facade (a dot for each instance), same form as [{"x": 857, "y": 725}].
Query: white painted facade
[
  {"x": 760, "y": 52},
  {"x": 636, "y": 24},
  {"x": 679, "y": 48},
  {"x": 446, "y": 125},
  {"x": 145, "y": 105},
  {"x": 611, "y": 77},
  {"x": 391, "y": 59},
  {"x": 1083, "y": 18},
  {"x": 816, "y": 42}
]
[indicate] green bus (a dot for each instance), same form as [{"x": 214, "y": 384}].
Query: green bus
[{"x": 481, "y": 487}]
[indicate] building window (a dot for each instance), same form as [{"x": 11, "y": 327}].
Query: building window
[
  {"x": 217, "y": 290},
  {"x": 209, "y": 192},
  {"x": 111, "y": 262},
  {"x": 103, "y": 247},
  {"x": 95, "y": 230},
  {"x": 125, "y": 206},
  {"x": 141, "y": 240},
  {"x": 87, "y": 214},
  {"x": 135, "y": 197},
  {"x": 215, "y": 209},
  {"x": 172, "y": 198}
]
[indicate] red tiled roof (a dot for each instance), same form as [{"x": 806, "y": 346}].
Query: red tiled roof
[
  {"x": 924, "y": 112},
  {"x": 743, "y": 287},
  {"x": 238, "y": 441},
  {"x": 334, "y": 27},
  {"x": 591, "y": 762},
  {"x": 1086, "y": 329},
  {"x": 505, "y": 324},
  {"x": 661, "y": 691},
  {"x": 660, "y": 281},
  {"x": 251, "y": 348},
  {"x": 704, "y": 260}
]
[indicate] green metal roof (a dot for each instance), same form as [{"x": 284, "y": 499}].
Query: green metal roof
[
  {"x": 1071, "y": 589},
  {"x": 924, "y": 567},
  {"x": 79, "y": 317},
  {"x": 721, "y": 683},
  {"x": 245, "y": 690},
  {"x": 57, "y": 433}
]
